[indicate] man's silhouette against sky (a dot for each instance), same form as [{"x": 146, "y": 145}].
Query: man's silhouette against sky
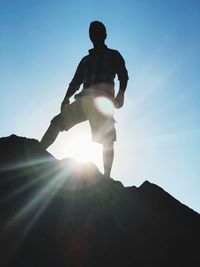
[{"x": 96, "y": 72}]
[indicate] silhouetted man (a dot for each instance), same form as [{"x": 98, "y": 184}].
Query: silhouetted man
[{"x": 96, "y": 72}]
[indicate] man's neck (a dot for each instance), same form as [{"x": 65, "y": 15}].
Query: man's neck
[{"x": 99, "y": 46}]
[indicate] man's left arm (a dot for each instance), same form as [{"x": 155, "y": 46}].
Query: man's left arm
[
  {"x": 123, "y": 81},
  {"x": 119, "y": 99}
]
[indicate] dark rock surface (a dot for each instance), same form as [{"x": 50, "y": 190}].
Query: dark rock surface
[{"x": 61, "y": 213}]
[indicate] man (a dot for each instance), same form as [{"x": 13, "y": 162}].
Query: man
[{"x": 97, "y": 72}]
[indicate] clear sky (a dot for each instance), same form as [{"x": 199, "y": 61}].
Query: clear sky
[{"x": 41, "y": 43}]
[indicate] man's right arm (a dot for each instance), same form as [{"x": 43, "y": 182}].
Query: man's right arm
[{"x": 74, "y": 85}]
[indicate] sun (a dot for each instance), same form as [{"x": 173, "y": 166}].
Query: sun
[
  {"x": 77, "y": 144},
  {"x": 82, "y": 149}
]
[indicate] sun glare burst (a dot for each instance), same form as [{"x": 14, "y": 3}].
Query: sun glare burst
[
  {"x": 77, "y": 144},
  {"x": 83, "y": 149}
]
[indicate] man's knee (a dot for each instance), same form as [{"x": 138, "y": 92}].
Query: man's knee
[{"x": 108, "y": 146}]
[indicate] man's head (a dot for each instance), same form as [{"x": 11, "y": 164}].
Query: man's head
[{"x": 97, "y": 33}]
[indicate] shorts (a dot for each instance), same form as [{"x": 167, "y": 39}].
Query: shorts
[{"x": 86, "y": 108}]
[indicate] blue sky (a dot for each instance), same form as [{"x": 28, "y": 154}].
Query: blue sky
[{"x": 159, "y": 126}]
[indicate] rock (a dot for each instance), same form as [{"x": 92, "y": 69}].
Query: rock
[{"x": 62, "y": 213}]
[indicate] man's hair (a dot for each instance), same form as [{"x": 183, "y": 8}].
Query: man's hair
[{"x": 97, "y": 28}]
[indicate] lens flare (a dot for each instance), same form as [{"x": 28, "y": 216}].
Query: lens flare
[{"x": 105, "y": 105}]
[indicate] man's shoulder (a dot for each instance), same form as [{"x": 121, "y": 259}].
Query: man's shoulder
[
  {"x": 113, "y": 51},
  {"x": 115, "y": 54}
]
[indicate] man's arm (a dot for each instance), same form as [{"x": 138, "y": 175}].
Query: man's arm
[
  {"x": 123, "y": 80},
  {"x": 70, "y": 91},
  {"x": 74, "y": 85},
  {"x": 119, "y": 99}
]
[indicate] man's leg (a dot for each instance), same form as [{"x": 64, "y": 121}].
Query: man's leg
[
  {"x": 72, "y": 115},
  {"x": 50, "y": 135},
  {"x": 108, "y": 155}
]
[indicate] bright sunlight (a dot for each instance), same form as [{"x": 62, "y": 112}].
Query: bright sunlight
[{"x": 77, "y": 143}]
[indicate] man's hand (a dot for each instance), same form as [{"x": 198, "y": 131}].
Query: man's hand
[
  {"x": 119, "y": 99},
  {"x": 65, "y": 103}
]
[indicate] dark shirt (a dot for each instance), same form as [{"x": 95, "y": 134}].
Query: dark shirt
[{"x": 100, "y": 66}]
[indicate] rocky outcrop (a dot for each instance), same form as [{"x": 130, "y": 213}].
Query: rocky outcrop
[{"x": 61, "y": 213}]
